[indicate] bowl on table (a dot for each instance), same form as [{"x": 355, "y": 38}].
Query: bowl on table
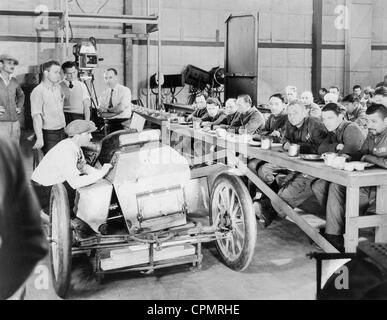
[
  {"x": 339, "y": 163},
  {"x": 329, "y": 157}
]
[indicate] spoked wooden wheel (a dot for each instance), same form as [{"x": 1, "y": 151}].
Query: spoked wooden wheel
[
  {"x": 231, "y": 209},
  {"x": 60, "y": 240}
]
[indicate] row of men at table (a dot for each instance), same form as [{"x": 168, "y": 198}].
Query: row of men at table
[
  {"x": 58, "y": 100},
  {"x": 348, "y": 129}
]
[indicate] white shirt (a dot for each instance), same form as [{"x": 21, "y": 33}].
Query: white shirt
[
  {"x": 47, "y": 100},
  {"x": 121, "y": 94},
  {"x": 59, "y": 164},
  {"x": 85, "y": 93},
  {"x": 75, "y": 96}
]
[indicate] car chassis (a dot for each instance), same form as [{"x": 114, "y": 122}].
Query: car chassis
[{"x": 232, "y": 224}]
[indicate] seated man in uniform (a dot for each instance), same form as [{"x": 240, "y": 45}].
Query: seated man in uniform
[
  {"x": 200, "y": 106},
  {"x": 374, "y": 150},
  {"x": 275, "y": 124},
  {"x": 321, "y": 94},
  {"x": 380, "y": 96},
  {"x": 344, "y": 138},
  {"x": 115, "y": 102},
  {"x": 274, "y": 128},
  {"x": 231, "y": 112},
  {"x": 358, "y": 91},
  {"x": 366, "y": 100},
  {"x": 331, "y": 98},
  {"x": 182, "y": 143},
  {"x": 214, "y": 114},
  {"x": 291, "y": 93},
  {"x": 308, "y": 133},
  {"x": 65, "y": 163},
  {"x": 336, "y": 91},
  {"x": 249, "y": 119},
  {"x": 355, "y": 111},
  {"x": 308, "y": 100}
]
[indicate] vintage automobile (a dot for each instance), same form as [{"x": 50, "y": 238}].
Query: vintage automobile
[{"x": 146, "y": 194}]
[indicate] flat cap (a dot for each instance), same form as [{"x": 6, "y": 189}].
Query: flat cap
[
  {"x": 79, "y": 126},
  {"x": 6, "y": 56}
]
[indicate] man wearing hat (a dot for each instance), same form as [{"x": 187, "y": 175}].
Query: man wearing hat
[
  {"x": 65, "y": 162},
  {"x": 11, "y": 98}
]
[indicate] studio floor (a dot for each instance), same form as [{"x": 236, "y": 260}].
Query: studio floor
[{"x": 280, "y": 270}]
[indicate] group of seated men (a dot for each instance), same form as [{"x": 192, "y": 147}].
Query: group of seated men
[{"x": 350, "y": 128}]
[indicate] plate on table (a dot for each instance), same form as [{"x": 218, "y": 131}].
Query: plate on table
[
  {"x": 311, "y": 157},
  {"x": 254, "y": 143}
]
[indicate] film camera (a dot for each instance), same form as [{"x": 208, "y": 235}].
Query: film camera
[
  {"x": 86, "y": 57},
  {"x": 86, "y": 60}
]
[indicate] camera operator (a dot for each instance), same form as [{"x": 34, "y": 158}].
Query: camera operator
[{"x": 77, "y": 99}]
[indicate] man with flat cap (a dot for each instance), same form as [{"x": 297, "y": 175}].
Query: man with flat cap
[
  {"x": 65, "y": 163},
  {"x": 11, "y": 98}
]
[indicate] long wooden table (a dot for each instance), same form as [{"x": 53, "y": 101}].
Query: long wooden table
[
  {"x": 351, "y": 180},
  {"x": 152, "y": 119},
  {"x": 178, "y": 107}
]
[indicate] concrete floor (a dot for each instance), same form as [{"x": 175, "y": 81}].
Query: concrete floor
[{"x": 279, "y": 270}]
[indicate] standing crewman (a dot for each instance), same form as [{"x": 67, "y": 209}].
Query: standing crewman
[
  {"x": 47, "y": 108},
  {"x": 76, "y": 97},
  {"x": 11, "y": 98}
]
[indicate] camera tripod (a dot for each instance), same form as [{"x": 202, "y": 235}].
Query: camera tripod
[{"x": 87, "y": 77}]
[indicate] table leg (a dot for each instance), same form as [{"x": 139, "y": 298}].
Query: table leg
[
  {"x": 381, "y": 209},
  {"x": 351, "y": 236}
]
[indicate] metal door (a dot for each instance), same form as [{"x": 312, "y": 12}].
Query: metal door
[{"x": 241, "y": 56}]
